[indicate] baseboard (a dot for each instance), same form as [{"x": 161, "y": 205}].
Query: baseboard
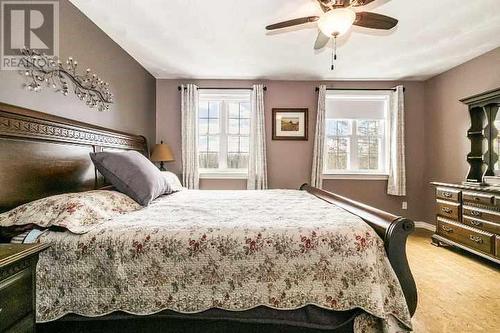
[{"x": 425, "y": 225}]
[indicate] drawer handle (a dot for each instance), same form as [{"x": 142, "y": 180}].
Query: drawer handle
[
  {"x": 475, "y": 213},
  {"x": 446, "y": 229},
  {"x": 447, "y": 210},
  {"x": 476, "y": 239},
  {"x": 447, "y": 194},
  {"x": 476, "y": 223}
]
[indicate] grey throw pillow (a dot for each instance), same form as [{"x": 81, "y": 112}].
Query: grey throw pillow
[{"x": 133, "y": 174}]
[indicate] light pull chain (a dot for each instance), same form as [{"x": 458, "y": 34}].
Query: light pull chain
[{"x": 334, "y": 52}]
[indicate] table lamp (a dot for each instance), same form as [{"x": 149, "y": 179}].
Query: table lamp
[{"x": 162, "y": 153}]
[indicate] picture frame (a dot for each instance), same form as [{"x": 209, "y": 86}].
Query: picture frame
[{"x": 290, "y": 123}]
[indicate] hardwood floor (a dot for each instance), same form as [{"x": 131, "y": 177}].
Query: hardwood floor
[{"x": 458, "y": 292}]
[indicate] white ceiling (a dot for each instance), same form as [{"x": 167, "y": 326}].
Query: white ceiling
[{"x": 226, "y": 39}]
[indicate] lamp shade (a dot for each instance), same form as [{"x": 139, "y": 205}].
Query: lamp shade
[
  {"x": 162, "y": 153},
  {"x": 336, "y": 22}
]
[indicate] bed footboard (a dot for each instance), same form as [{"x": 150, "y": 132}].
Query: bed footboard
[{"x": 393, "y": 229}]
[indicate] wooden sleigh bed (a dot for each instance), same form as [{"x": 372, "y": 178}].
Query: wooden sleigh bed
[{"x": 43, "y": 155}]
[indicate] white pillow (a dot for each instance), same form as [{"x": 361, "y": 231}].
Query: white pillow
[{"x": 173, "y": 181}]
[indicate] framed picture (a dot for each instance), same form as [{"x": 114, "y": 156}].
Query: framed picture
[{"x": 290, "y": 124}]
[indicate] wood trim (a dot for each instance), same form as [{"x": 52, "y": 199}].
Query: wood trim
[
  {"x": 482, "y": 97},
  {"x": 393, "y": 229},
  {"x": 24, "y": 251},
  {"x": 24, "y": 123}
]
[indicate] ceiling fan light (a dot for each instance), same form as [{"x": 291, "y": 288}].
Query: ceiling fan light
[{"x": 336, "y": 22}]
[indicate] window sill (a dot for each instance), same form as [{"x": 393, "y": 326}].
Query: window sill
[
  {"x": 223, "y": 175},
  {"x": 359, "y": 176}
]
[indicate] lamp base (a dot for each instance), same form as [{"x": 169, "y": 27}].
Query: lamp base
[{"x": 162, "y": 168}]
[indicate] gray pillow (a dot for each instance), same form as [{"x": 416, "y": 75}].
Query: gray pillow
[{"x": 133, "y": 174}]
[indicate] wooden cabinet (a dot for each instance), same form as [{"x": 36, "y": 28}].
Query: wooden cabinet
[
  {"x": 469, "y": 217},
  {"x": 17, "y": 286}
]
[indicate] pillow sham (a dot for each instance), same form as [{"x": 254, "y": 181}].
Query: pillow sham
[
  {"x": 133, "y": 174},
  {"x": 173, "y": 181},
  {"x": 76, "y": 212}
]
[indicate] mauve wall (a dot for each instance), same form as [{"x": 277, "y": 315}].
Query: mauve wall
[
  {"x": 133, "y": 87},
  {"x": 447, "y": 120},
  {"x": 289, "y": 162}
]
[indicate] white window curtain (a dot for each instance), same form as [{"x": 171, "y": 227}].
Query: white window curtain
[
  {"x": 396, "y": 184},
  {"x": 319, "y": 140},
  {"x": 257, "y": 163},
  {"x": 189, "y": 110}
]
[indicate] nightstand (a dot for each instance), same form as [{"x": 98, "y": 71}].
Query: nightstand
[{"x": 17, "y": 286}]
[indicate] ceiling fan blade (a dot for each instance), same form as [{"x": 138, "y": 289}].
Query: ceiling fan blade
[
  {"x": 375, "y": 21},
  {"x": 293, "y": 22},
  {"x": 321, "y": 41},
  {"x": 359, "y": 3}
]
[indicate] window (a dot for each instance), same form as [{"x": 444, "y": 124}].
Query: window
[
  {"x": 224, "y": 128},
  {"x": 356, "y": 133}
]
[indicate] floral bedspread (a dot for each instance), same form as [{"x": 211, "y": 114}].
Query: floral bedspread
[{"x": 235, "y": 250}]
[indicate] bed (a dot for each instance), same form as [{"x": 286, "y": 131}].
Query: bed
[{"x": 281, "y": 260}]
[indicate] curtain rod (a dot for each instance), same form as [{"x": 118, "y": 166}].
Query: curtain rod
[
  {"x": 367, "y": 89},
  {"x": 221, "y": 88}
]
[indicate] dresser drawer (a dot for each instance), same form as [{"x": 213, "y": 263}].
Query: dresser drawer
[
  {"x": 494, "y": 228},
  {"x": 16, "y": 298},
  {"x": 479, "y": 198},
  {"x": 448, "y": 194},
  {"x": 474, "y": 238},
  {"x": 447, "y": 209},
  {"x": 481, "y": 213}
]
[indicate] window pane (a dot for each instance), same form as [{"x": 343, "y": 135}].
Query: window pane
[
  {"x": 233, "y": 127},
  {"x": 244, "y": 144},
  {"x": 245, "y": 110},
  {"x": 233, "y": 144},
  {"x": 369, "y": 127},
  {"x": 234, "y": 109},
  {"x": 209, "y": 160},
  {"x": 213, "y": 127},
  {"x": 337, "y": 153},
  {"x": 213, "y": 143},
  {"x": 368, "y": 151},
  {"x": 338, "y": 127},
  {"x": 237, "y": 160},
  {"x": 203, "y": 126},
  {"x": 203, "y": 109},
  {"x": 245, "y": 126},
  {"x": 203, "y": 143},
  {"x": 214, "y": 109}
]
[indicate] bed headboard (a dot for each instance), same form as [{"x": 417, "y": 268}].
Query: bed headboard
[{"x": 42, "y": 154}]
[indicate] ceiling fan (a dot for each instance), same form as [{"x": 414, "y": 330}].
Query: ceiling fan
[{"x": 338, "y": 16}]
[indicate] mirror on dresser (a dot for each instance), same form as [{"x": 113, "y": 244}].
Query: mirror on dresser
[{"x": 495, "y": 138}]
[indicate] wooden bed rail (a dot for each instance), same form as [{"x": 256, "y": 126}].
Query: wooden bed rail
[{"x": 393, "y": 229}]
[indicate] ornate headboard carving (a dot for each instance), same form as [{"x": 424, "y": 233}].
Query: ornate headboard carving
[{"x": 42, "y": 154}]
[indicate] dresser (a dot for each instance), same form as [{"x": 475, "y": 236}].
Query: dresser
[
  {"x": 468, "y": 217},
  {"x": 17, "y": 286}
]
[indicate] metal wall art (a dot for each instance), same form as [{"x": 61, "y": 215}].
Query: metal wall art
[{"x": 41, "y": 69}]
